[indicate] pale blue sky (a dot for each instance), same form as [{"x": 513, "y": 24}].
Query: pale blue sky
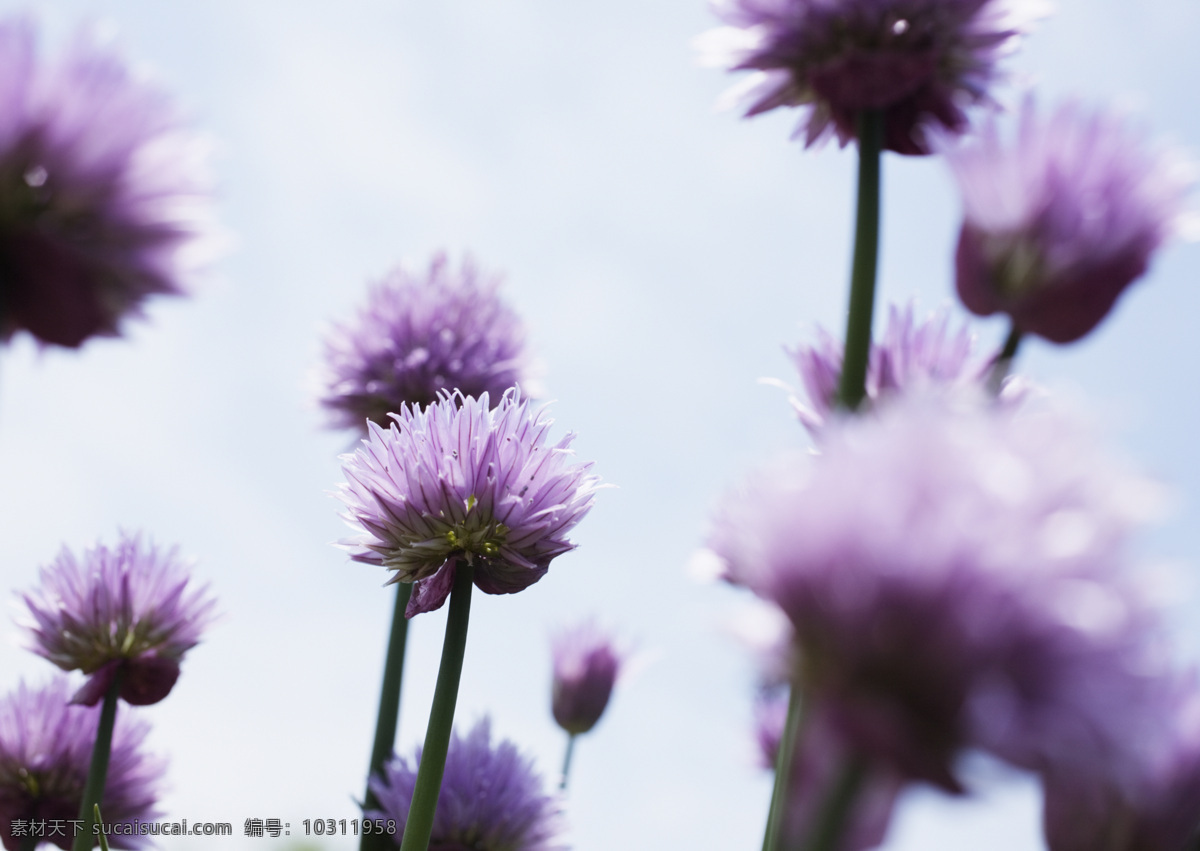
[{"x": 661, "y": 253}]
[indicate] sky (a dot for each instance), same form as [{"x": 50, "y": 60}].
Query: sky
[{"x": 662, "y": 254}]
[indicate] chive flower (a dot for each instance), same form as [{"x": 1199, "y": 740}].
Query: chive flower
[{"x": 586, "y": 665}]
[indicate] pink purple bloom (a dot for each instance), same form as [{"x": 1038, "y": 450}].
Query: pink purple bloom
[
  {"x": 922, "y": 62},
  {"x": 101, "y": 200},
  {"x": 421, "y": 335},
  {"x": 912, "y": 355},
  {"x": 492, "y": 798},
  {"x": 461, "y": 480},
  {"x": 1159, "y": 811},
  {"x": 956, "y": 577},
  {"x": 130, "y": 609},
  {"x": 1061, "y": 218},
  {"x": 586, "y": 664},
  {"x": 45, "y": 752}
]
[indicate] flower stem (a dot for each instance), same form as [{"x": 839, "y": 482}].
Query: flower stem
[
  {"x": 774, "y": 837},
  {"x": 838, "y": 805},
  {"x": 93, "y": 791},
  {"x": 29, "y": 842},
  {"x": 1003, "y": 362},
  {"x": 389, "y": 710},
  {"x": 852, "y": 387},
  {"x": 441, "y": 715},
  {"x": 566, "y": 769}
]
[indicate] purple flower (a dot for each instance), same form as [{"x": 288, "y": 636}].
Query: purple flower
[
  {"x": 420, "y": 336},
  {"x": 131, "y": 609},
  {"x": 459, "y": 480},
  {"x": 955, "y": 577},
  {"x": 1062, "y": 218},
  {"x": 911, "y": 356},
  {"x": 921, "y": 62},
  {"x": 820, "y": 755},
  {"x": 1160, "y": 811},
  {"x": 586, "y": 664},
  {"x": 101, "y": 199},
  {"x": 491, "y": 798},
  {"x": 45, "y": 753}
]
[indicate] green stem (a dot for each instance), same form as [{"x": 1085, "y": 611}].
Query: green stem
[
  {"x": 389, "y": 710},
  {"x": 441, "y": 715},
  {"x": 93, "y": 791},
  {"x": 852, "y": 387},
  {"x": 1003, "y": 362},
  {"x": 774, "y": 836},
  {"x": 29, "y": 843},
  {"x": 562, "y": 784},
  {"x": 837, "y": 807}
]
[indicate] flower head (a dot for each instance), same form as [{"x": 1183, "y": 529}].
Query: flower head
[
  {"x": 955, "y": 576},
  {"x": 1062, "y": 218},
  {"x": 1159, "y": 811},
  {"x": 101, "y": 199},
  {"x": 491, "y": 797},
  {"x": 921, "y": 62},
  {"x": 131, "y": 610},
  {"x": 460, "y": 480},
  {"x": 586, "y": 664},
  {"x": 912, "y": 355},
  {"x": 419, "y": 336},
  {"x": 45, "y": 753}
]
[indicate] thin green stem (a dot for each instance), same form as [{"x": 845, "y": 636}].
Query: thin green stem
[
  {"x": 774, "y": 837},
  {"x": 852, "y": 387},
  {"x": 441, "y": 715},
  {"x": 838, "y": 806},
  {"x": 93, "y": 790},
  {"x": 389, "y": 710},
  {"x": 1003, "y": 362},
  {"x": 566, "y": 769}
]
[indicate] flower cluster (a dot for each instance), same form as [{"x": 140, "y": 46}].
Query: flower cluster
[
  {"x": 491, "y": 797},
  {"x": 1062, "y": 218},
  {"x": 420, "y": 336},
  {"x": 101, "y": 199},
  {"x": 130, "y": 610},
  {"x": 954, "y": 576},
  {"x": 45, "y": 751},
  {"x": 920, "y": 62},
  {"x": 461, "y": 480}
]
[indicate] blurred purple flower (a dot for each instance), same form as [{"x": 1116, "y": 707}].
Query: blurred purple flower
[
  {"x": 1160, "y": 811},
  {"x": 920, "y": 61},
  {"x": 130, "y": 609},
  {"x": 912, "y": 355},
  {"x": 586, "y": 664},
  {"x": 459, "y": 480},
  {"x": 492, "y": 799},
  {"x": 421, "y": 335},
  {"x": 1062, "y": 218},
  {"x": 45, "y": 753},
  {"x": 955, "y": 578},
  {"x": 820, "y": 755},
  {"x": 102, "y": 196}
]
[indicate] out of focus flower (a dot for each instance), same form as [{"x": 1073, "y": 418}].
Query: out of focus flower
[
  {"x": 586, "y": 664},
  {"x": 101, "y": 194},
  {"x": 492, "y": 799},
  {"x": 912, "y": 355},
  {"x": 45, "y": 752},
  {"x": 1160, "y": 811},
  {"x": 419, "y": 336},
  {"x": 921, "y": 62},
  {"x": 954, "y": 577},
  {"x": 460, "y": 480},
  {"x": 820, "y": 755},
  {"x": 1059, "y": 220},
  {"x": 131, "y": 609}
]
